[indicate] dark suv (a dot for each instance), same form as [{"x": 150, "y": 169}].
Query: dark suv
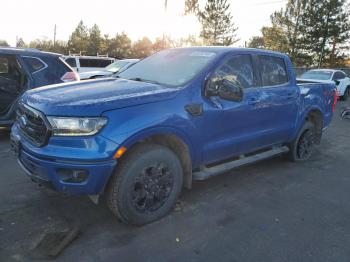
[{"x": 23, "y": 69}]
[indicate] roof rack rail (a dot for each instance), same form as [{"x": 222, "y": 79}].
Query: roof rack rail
[
  {"x": 74, "y": 54},
  {"x": 80, "y": 54},
  {"x": 98, "y": 55},
  {"x": 21, "y": 48}
]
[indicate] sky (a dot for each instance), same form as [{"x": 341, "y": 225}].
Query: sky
[{"x": 36, "y": 18}]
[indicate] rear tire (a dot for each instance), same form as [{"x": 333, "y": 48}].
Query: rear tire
[
  {"x": 146, "y": 185},
  {"x": 302, "y": 147}
]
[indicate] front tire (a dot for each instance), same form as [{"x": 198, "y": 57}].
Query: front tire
[
  {"x": 146, "y": 185},
  {"x": 302, "y": 147}
]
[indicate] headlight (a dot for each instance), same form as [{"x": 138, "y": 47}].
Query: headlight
[{"x": 76, "y": 126}]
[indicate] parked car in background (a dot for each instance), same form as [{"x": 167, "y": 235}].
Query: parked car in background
[
  {"x": 330, "y": 76},
  {"x": 24, "y": 69},
  {"x": 88, "y": 63},
  {"x": 346, "y": 70},
  {"x": 115, "y": 68},
  {"x": 177, "y": 116}
]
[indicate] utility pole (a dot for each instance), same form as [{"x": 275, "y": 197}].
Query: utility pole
[
  {"x": 54, "y": 36},
  {"x": 165, "y": 12}
]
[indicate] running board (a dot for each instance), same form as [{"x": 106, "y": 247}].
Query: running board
[{"x": 206, "y": 173}]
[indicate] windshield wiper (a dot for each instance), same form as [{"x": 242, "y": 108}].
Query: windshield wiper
[{"x": 139, "y": 79}]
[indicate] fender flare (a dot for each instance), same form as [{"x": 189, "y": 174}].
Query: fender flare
[
  {"x": 304, "y": 116},
  {"x": 162, "y": 130}
]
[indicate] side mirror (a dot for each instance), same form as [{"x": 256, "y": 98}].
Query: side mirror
[
  {"x": 230, "y": 91},
  {"x": 345, "y": 113},
  {"x": 225, "y": 89},
  {"x": 337, "y": 82}
]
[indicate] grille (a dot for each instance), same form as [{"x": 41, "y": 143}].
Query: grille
[{"x": 32, "y": 124}]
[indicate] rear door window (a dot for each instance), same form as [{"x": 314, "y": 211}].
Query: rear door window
[
  {"x": 34, "y": 64},
  {"x": 56, "y": 68},
  {"x": 273, "y": 70}
]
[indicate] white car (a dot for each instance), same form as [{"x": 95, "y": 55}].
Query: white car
[
  {"x": 329, "y": 76},
  {"x": 88, "y": 63},
  {"x": 117, "y": 67}
]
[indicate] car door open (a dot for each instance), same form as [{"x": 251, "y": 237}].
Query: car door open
[{"x": 10, "y": 82}]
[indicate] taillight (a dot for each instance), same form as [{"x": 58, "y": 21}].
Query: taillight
[
  {"x": 335, "y": 99},
  {"x": 70, "y": 76}
]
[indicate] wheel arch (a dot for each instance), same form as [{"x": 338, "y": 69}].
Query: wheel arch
[
  {"x": 171, "y": 138},
  {"x": 315, "y": 116}
]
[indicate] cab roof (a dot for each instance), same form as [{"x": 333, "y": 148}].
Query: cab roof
[
  {"x": 25, "y": 51},
  {"x": 228, "y": 49}
]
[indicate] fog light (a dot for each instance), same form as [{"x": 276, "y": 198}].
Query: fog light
[{"x": 72, "y": 176}]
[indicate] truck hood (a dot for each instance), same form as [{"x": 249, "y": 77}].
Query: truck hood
[{"x": 93, "y": 97}]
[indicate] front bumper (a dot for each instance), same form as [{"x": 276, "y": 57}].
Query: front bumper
[{"x": 51, "y": 171}]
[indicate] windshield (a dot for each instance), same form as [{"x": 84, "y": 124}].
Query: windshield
[
  {"x": 172, "y": 67},
  {"x": 116, "y": 66},
  {"x": 317, "y": 75}
]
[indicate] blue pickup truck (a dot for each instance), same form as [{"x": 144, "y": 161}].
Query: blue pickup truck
[{"x": 177, "y": 116}]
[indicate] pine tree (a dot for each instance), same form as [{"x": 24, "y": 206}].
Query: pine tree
[
  {"x": 275, "y": 39},
  {"x": 95, "y": 41},
  {"x": 191, "y": 7},
  {"x": 290, "y": 21},
  {"x": 142, "y": 48},
  {"x": 20, "y": 43},
  {"x": 217, "y": 25},
  {"x": 256, "y": 42},
  {"x": 120, "y": 46},
  {"x": 327, "y": 30},
  {"x": 78, "y": 41},
  {"x": 287, "y": 31}
]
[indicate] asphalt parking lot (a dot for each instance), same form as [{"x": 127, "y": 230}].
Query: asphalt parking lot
[{"x": 271, "y": 211}]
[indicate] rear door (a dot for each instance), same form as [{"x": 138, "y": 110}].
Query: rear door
[
  {"x": 278, "y": 99},
  {"x": 46, "y": 70},
  {"x": 11, "y": 80}
]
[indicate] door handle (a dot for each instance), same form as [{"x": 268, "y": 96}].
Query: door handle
[
  {"x": 290, "y": 96},
  {"x": 254, "y": 101}
]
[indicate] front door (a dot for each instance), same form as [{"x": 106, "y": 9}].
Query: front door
[{"x": 229, "y": 128}]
